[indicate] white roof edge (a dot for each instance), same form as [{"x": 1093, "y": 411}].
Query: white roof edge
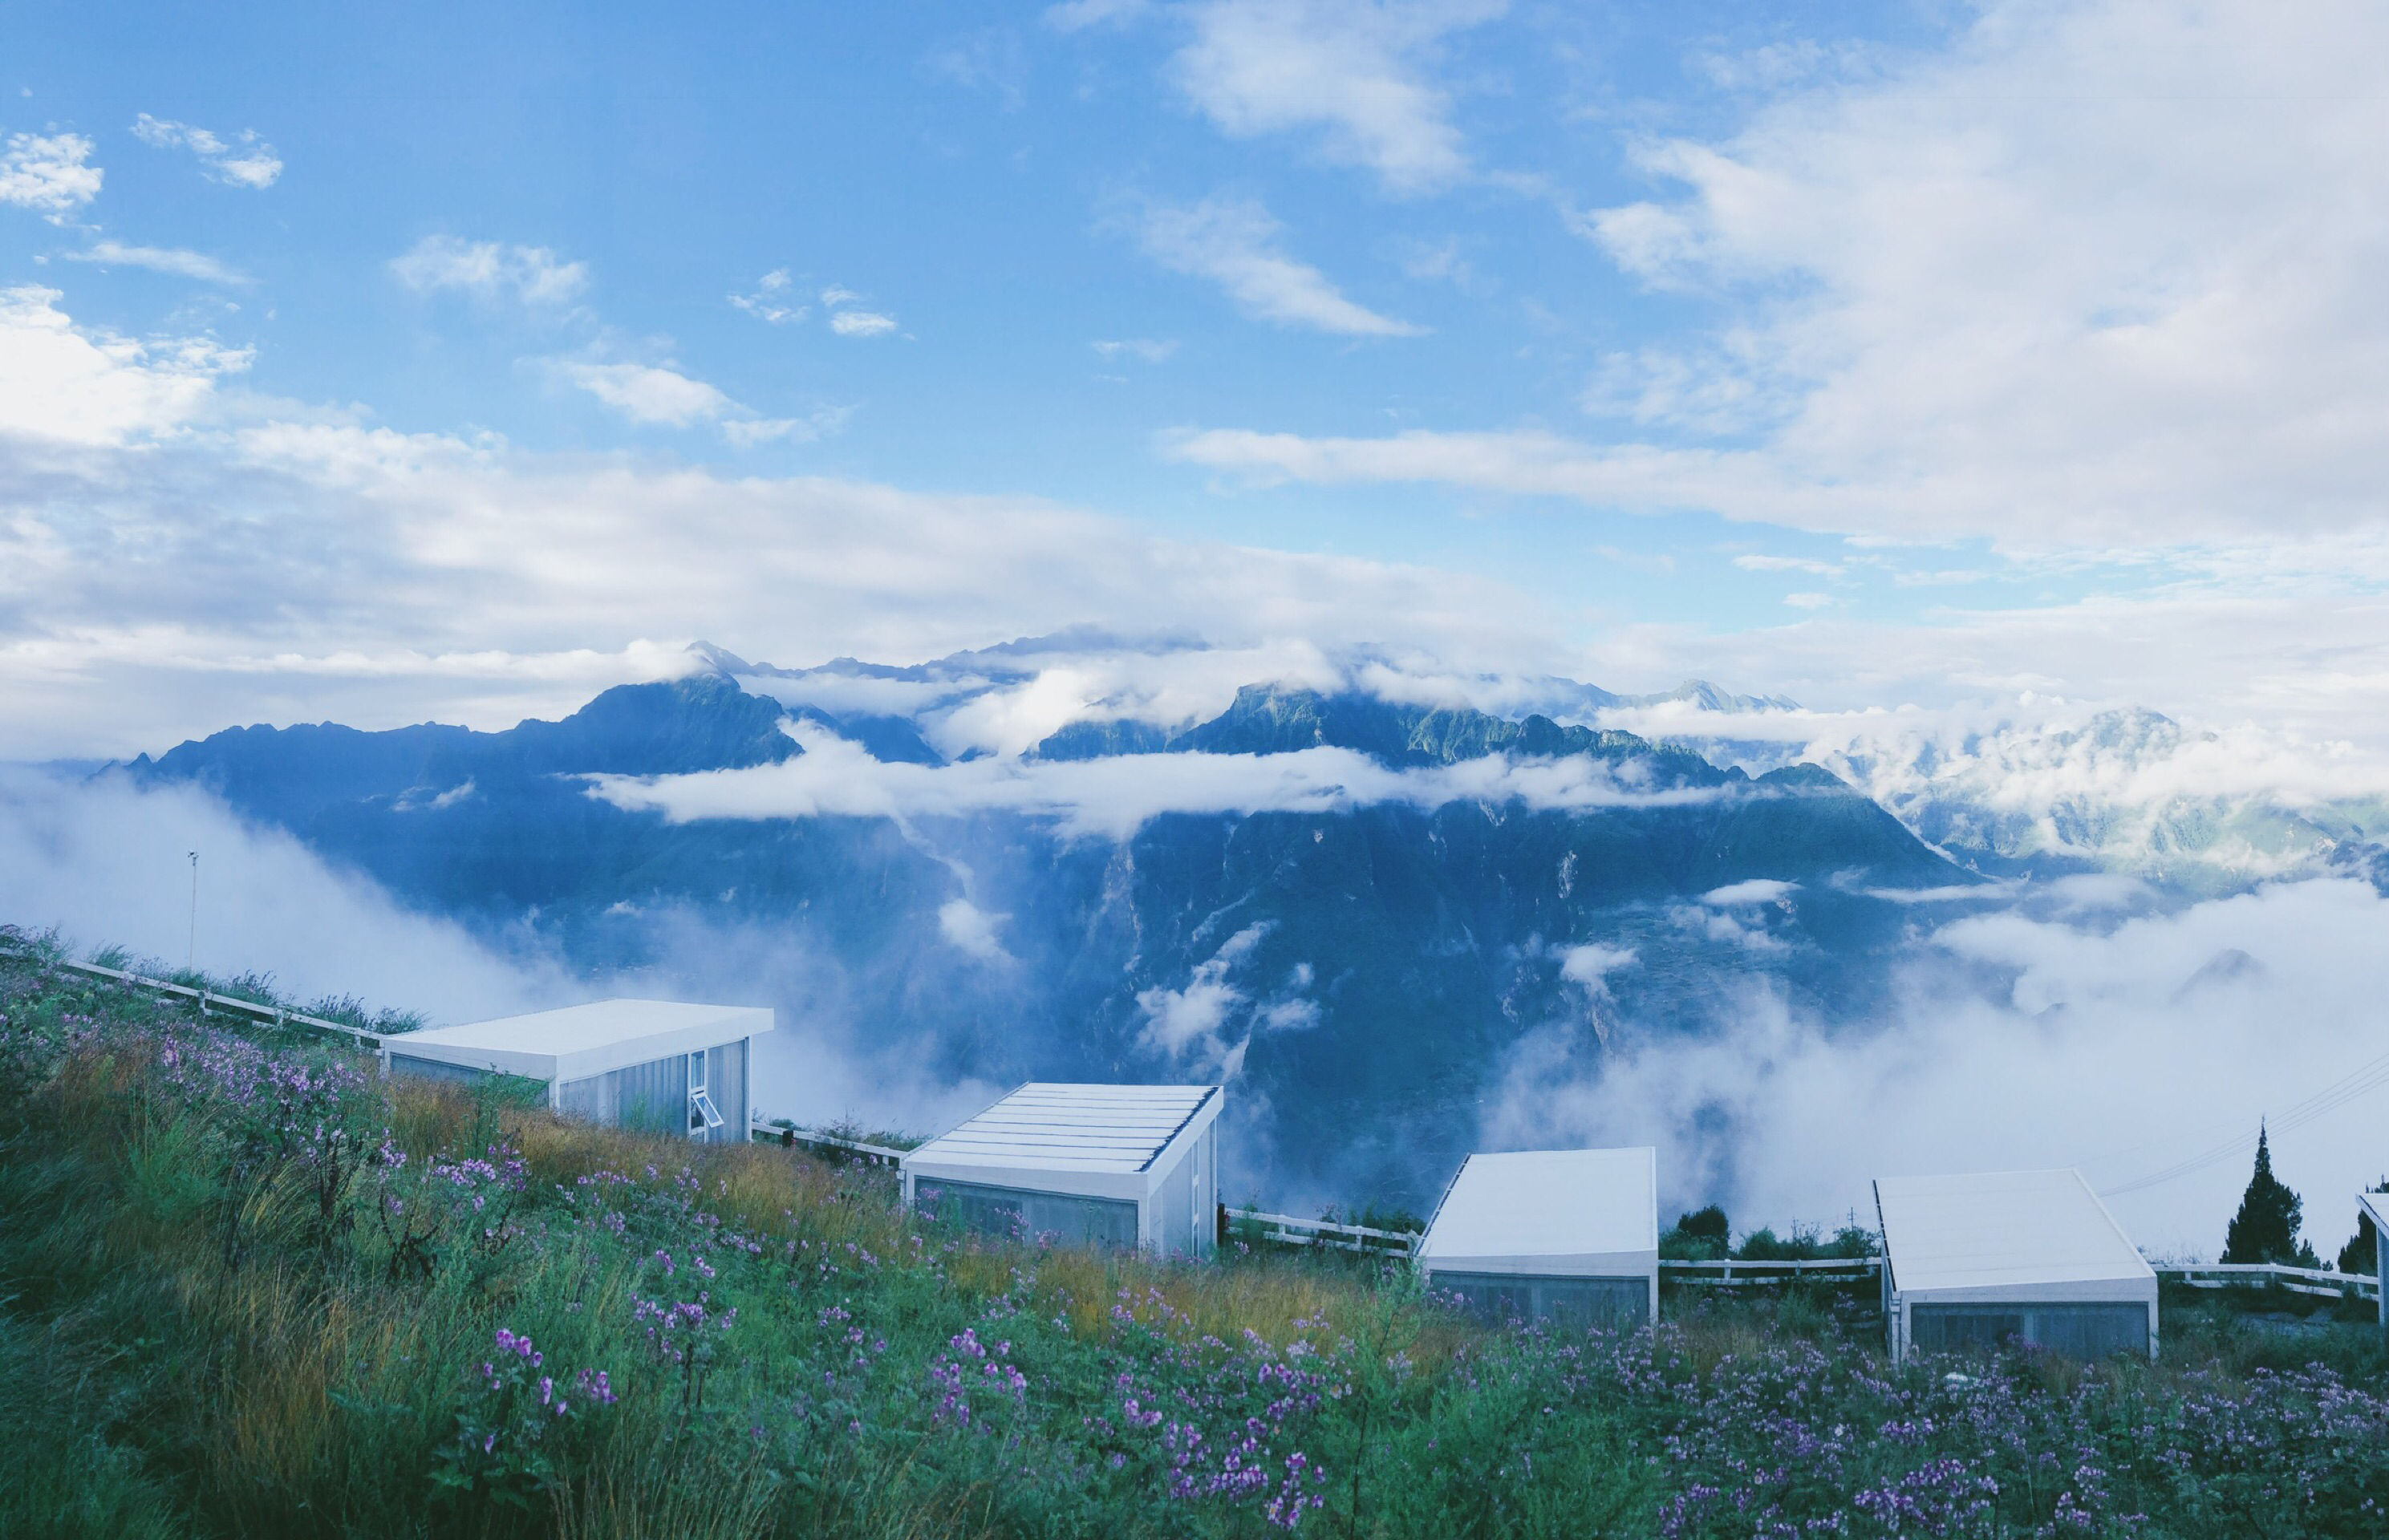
[
  {"x": 2129, "y": 1264},
  {"x": 2122, "y": 1234},
  {"x": 1206, "y": 1110},
  {"x": 575, "y": 1042},
  {"x": 1490, "y": 1228},
  {"x": 1630, "y": 1264},
  {"x": 1189, "y": 1128},
  {"x": 2377, "y": 1206}
]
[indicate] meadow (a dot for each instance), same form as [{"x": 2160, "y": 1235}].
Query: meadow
[{"x": 249, "y": 1288}]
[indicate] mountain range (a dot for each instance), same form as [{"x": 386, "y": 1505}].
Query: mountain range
[{"x": 1360, "y": 963}]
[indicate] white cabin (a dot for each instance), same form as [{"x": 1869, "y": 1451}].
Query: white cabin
[
  {"x": 1570, "y": 1236},
  {"x": 1118, "y": 1166},
  {"x": 666, "y": 1066},
  {"x": 2032, "y": 1256}
]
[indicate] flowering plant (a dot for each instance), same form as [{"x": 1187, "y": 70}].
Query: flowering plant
[{"x": 513, "y": 1418}]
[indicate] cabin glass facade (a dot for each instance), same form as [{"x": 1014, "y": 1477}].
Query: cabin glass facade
[
  {"x": 1020, "y": 1213},
  {"x": 1610, "y": 1304},
  {"x": 2078, "y": 1330},
  {"x": 1116, "y": 1166}
]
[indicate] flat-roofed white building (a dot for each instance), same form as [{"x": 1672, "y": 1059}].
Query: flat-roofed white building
[
  {"x": 1570, "y": 1236},
  {"x": 667, "y": 1066},
  {"x": 2034, "y": 1256},
  {"x": 2375, "y": 1207},
  {"x": 1105, "y": 1166}
]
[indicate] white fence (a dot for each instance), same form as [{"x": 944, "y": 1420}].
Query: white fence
[
  {"x": 2302, "y": 1280},
  {"x": 1285, "y": 1230},
  {"x": 210, "y": 1001},
  {"x": 830, "y": 1144}
]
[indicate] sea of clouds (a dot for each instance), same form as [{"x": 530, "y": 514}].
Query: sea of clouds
[{"x": 2092, "y": 1020}]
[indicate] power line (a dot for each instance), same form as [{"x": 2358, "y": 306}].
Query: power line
[{"x": 2339, "y": 1092}]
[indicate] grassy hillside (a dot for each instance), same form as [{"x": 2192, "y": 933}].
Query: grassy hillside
[{"x": 248, "y": 1289}]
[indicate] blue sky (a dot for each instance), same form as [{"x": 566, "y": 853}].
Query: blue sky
[{"x": 1696, "y": 339}]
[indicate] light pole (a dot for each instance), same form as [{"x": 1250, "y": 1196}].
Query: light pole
[{"x": 191, "y": 947}]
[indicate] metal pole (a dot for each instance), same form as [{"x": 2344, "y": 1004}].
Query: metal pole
[{"x": 191, "y": 947}]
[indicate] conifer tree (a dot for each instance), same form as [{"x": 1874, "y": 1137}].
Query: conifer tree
[
  {"x": 2266, "y": 1229},
  {"x": 2361, "y": 1254}
]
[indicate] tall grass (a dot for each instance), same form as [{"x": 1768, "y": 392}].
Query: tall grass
[{"x": 246, "y": 1288}]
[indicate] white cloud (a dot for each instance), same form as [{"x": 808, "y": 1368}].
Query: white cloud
[
  {"x": 88, "y": 387},
  {"x": 1809, "y": 601},
  {"x": 2015, "y": 1043},
  {"x": 972, "y": 929},
  {"x": 165, "y": 547},
  {"x": 1756, "y": 890},
  {"x": 1590, "y": 965},
  {"x": 2291, "y": 637},
  {"x": 1146, "y": 348},
  {"x": 1073, "y": 16},
  {"x": 247, "y": 161},
  {"x": 105, "y": 862},
  {"x": 861, "y": 323},
  {"x": 1113, "y": 797},
  {"x": 1192, "y": 1023},
  {"x": 47, "y": 173},
  {"x": 746, "y": 432},
  {"x": 1753, "y": 562},
  {"x": 2096, "y": 273},
  {"x": 181, "y": 263},
  {"x": 646, "y": 393},
  {"x": 770, "y": 300},
  {"x": 1355, "y": 71},
  {"x": 1234, "y": 242},
  {"x": 846, "y": 321},
  {"x": 489, "y": 269},
  {"x": 660, "y": 395}
]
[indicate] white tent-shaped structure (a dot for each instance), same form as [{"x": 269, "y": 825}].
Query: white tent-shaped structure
[
  {"x": 2030, "y": 1255},
  {"x": 663, "y": 1065},
  {"x": 2375, "y": 1207},
  {"x": 1570, "y": 1236},
  {"x": 1104, "y": 1165}
]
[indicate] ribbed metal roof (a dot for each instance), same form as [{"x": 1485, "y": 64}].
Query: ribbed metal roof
[{"x": 1056, "y": 1126}]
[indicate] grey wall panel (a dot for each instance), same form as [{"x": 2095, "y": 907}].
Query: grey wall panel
[
  {"x": 1207, "y": 1195},
  {"x": 1173, "y": 1228},
  {"x": 652, "y": 1097},
  {"x": 433, "y": 1069},
  {"x": 725, "y": 1081}
]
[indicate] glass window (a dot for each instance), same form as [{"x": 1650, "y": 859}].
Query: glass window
[
  {"x": 1026, "y": 1214},
  {"x": 1612, "y": 1304},
  {"x": 2078, "y": 1330}
]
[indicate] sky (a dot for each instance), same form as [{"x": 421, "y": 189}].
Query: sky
[{"x": 458, "y": 363}]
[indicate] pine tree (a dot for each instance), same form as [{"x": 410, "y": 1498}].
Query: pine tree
[
  {"x": 2266, "y": 1229},
  {"x": 2360, "y": 1256}
]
